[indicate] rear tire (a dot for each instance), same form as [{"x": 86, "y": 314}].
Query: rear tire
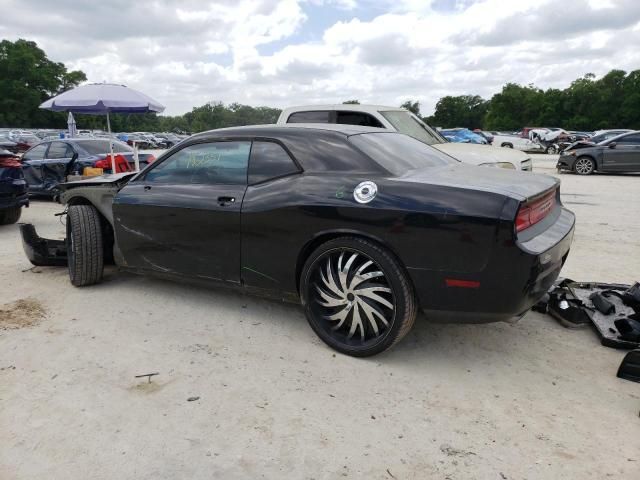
[
  {"x": 357, "y": 297},
  {"x": 85, "y": 250},
  {"x": 584, "y": 166},
  {"x": 507, "y": 145},
  {"x": 10, "y": 215}
]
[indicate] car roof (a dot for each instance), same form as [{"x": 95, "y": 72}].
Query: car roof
[
  {"x": 355, "y": 107},
  {"x": 272, "y": 129}
]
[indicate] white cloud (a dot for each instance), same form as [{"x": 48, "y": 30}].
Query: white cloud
[{"x": 283, "y": 52}]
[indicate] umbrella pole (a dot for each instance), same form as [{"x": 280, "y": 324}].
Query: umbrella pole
[{"x": 113, "y": 159}]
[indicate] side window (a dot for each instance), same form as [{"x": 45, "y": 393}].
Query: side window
[
  {"x": 59, "y": 150},
  {"x": 357, "y": 118},
  {"x": 309, "y": 117},
  {"x": 269, "y": 160},
  {"x": 213, "y": 163},
  {"x": 37, "y": 152},
  {"x": 629, "y": 140}
]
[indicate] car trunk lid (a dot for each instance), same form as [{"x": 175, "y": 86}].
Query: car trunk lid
[{"x": 521, "y": 186}]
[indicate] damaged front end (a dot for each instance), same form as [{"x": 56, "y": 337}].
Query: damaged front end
[{"x": 97, "y": 191}]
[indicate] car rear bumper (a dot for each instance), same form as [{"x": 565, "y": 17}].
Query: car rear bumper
[
  {"x": 11, "y": 198},
  {"x": 515, "y": 279}
]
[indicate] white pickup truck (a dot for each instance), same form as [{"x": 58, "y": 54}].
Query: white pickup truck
[{"x": 403, "y": 121}]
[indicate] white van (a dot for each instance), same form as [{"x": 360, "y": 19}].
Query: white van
[{"x": 403, "y": 121}]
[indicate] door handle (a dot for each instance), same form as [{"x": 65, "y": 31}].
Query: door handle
[
  {"x": 223, "y": 201},
  {"x": 147, "y": 187}
]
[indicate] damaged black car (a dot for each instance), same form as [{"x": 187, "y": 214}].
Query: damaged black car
[
  {"x": 363, "y": 227},
  {"x": 52, "y": 162}
]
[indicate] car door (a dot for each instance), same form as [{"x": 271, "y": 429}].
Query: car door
[
  {"x": 32, "y": 167},
  {"x": 182, "y": 216},
  {"x": 55, "y": 166},
  {"x": 624, "y": 155}
]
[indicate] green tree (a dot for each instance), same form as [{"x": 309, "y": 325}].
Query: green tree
[
  {"x": 461, "y": 111},
  {"x": 351, "y": 102},
  {"x": 413, "y": 107},
  {"x": 514, "y": 107},
  {"x": 28, "y": 78}
]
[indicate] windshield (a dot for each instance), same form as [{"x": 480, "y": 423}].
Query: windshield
[
  {"x": 399, "y": 153},
  {"x": 406, "y": 123},
  {"x": 99, "y": 147}
]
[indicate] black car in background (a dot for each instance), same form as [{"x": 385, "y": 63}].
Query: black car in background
[
  {"x": 13, "y": 188},
  {"x": 617, "y": 154},
  {"x": 50, "y": 163},
  {"x": 364, "y": 227}
]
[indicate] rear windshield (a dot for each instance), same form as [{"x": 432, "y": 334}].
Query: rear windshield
[
  {"x": 99, "y": 147},
  {"x": 399, "y": 153},
  {"x": 406, "y": 123}
]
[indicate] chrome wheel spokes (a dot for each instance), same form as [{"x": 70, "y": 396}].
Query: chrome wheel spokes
[
  {"x": 584, "y": 166},
  {"x": 354, "y": 295}
]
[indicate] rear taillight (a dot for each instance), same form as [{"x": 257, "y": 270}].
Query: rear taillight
[{"x": 532, "y": 212}]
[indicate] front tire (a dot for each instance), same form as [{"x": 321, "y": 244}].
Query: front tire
[
  {"x": 357, "y": 297},
  {"x": 85, "y": 250},
  {"x": 551, "y": 150},
  {"x": 507, "y": 145},
  {"x": 584, "y": 166},
  {"x": 10, "y": 215}
]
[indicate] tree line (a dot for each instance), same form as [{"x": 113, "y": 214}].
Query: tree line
[
  {"x": 612, "y": 101},
  {"x": 28, "y": 78}
]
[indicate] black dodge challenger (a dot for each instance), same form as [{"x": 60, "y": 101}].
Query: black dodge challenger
[{"x": 364, "y": 227}]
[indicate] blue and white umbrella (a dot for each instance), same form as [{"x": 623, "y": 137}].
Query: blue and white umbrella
[{"x": 103, "y": 99}]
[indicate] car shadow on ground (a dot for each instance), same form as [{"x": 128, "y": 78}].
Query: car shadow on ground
[{"x": 427, "y": 342}]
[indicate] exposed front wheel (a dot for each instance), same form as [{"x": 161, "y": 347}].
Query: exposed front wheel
[
  {"x": 551, "y": 150},
  {"x": 584, "y": 166},
  {"x": 10, "y": 215},
  {"x": 84, "y": 245},
  {"x": 356, "y": 296}
]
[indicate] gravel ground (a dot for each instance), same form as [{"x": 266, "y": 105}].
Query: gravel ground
[{"x": 245, "y": 390}]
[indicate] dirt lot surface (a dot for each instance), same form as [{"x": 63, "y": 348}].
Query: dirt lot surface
[{"x": 245, "y": 389}]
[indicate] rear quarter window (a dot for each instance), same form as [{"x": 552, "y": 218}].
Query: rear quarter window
[{"x": 269, "y": 160}]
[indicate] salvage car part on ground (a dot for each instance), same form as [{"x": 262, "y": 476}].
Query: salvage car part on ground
[
  {"x": 630, "y": 367},
  {"x": 613, "y": 310},
  {"x": 363, "y": 227}
]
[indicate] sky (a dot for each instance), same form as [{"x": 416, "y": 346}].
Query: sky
[{"x": 296, "y": 52}]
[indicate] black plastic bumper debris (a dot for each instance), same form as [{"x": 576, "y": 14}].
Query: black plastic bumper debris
[
  {"x": 630, "y": 366},
  {"x": 609, "y": 307},
  {"x": 42, "y": 252}
]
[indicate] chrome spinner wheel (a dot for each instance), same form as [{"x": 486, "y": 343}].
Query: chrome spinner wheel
[{"x": 351, "y": 297}]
